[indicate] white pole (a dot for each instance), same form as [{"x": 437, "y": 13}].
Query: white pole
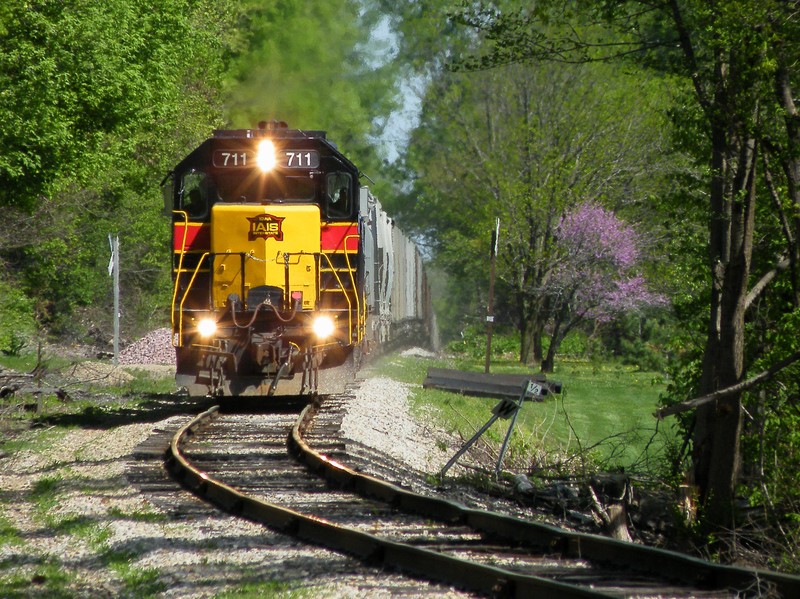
[{"x": 115, "y": 271}]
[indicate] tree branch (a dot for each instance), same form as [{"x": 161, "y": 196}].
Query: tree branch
[
  {"x": 765, "y": 280},
  {"x": 700, "y": 401},
  {"x": 689, "y": 55}
]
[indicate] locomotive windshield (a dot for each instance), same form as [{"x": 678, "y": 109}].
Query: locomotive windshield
[
  {"x": 258, "y": 187},
  {"x": 195, "y": 191},
  {"x": 337, "y": 194}
]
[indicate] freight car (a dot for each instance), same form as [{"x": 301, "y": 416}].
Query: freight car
[{"x": 282, "y": 263}]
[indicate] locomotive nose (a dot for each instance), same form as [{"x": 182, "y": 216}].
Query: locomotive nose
[{"x": 270, "y": 247}]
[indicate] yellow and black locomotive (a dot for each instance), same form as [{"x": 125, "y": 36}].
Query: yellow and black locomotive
[{"x": 268, "y": 260}]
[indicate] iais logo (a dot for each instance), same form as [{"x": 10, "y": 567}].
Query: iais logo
[{"x": 265, "y": 226}]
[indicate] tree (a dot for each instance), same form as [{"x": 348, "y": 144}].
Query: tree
[
  {"x": 736, "y": 57},
  {"x": 98, "y": 101},
  {"x": 315, "y": 66},
  {"x": 526, "y": 144},
  {"x": 593, "y": 273}
]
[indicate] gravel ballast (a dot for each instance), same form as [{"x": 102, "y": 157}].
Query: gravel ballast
[{"x": 70, "y": 519}]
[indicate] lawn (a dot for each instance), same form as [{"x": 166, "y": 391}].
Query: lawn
[{"x": 603, "y": 417}]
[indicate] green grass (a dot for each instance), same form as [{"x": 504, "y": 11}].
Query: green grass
[
  {"x": 9, "y": 534},
  {"x": 612, "y": 405},
  {"x": 267, "y": 588},
  {"x": 45, "y": 492},
  {"x": 28, "y": 360},
  {"x": 145, "y": 383},
  {"x": 145, "y": 514},
  {"x": 46, "y": 579},
  {"x": 33, "y": 440},
  {"x": 139, "y": 582},
  {"x": 602, "y": 419}
]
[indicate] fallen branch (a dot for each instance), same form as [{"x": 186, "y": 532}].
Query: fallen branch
[{"x": 738, "y": 388}]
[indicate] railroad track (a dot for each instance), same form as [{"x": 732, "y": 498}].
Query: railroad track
[{"x": 244, "y": 464}]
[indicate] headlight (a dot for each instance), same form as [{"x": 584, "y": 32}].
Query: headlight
[
  {"x": 323, "y": 326},
  {"x": 266, "y": 155},
  {"x": 207, "y": 327}
]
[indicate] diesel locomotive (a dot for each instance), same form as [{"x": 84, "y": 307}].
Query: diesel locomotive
[{"x": 282, "y": 262}]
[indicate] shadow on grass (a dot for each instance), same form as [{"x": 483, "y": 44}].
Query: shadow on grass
[{"x": 152, "y": 408}]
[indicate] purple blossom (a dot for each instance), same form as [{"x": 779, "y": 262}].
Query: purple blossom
[
  {"x": 596, "y": 259},
  {"x": 592, "y": 233}
]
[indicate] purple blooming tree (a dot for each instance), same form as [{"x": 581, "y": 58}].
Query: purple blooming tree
[{"x": 593, "y": 273}]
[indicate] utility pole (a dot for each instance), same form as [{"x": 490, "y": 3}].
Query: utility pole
[
  {"x": 490, "y": 305},
  {"x": 113, "y": 268}
]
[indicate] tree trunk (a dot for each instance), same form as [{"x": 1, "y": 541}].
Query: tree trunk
[
  {"x": 538, "y": 333},
  {"x": 527, "y": 330},
  {"x": 719, "y": 425},
  {"x": 526, "y": 342},
  {"x": 548, "y": 363},
  {"x": 531, "y": 329}
]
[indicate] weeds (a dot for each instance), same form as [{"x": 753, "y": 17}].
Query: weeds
[
  {"x": 268, "y": 588},
  {"x": 9, "y": 534}
]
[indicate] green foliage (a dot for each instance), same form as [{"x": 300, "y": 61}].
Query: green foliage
[
  {"x": 577, "y": 344},
  {"x": 315, "y": 66},
  {"x": 111, "y": 95},
  {"x": 472, "y": 343},
  {"x": 95, "y": 73},
  {"x": 732, "y": 64},
  {"x": 59, "y": 269},
  {"x": 633, "y": 340},
  {"x": 639, "y": 341},
  {"x": 524, "y": 144},
  {"x": 17, "y": 324}
]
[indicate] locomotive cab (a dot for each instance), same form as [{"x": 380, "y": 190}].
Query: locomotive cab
[{"x": 267, "y": 262}]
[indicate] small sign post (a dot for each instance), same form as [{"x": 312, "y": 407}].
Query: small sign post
[
  {"x": 529, "y": 389},
  {"x": 506, "y": 408},
  {"x": 490, "y": 305}
]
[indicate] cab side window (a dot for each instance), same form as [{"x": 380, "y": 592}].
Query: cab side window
[
  {"x": 195, "y": 192},
  {"x": 338, "y": 197}
]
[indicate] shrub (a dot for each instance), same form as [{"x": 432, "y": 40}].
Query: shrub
[{"x": 17, "y": 322}]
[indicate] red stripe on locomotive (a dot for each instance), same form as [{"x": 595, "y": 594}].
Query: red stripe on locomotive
[
  {"x": 333, "y": 237},
  {"x": 198, "y": 237}
]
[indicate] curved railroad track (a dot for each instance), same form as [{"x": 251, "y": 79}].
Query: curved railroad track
[{"x": 243, "y": 464}]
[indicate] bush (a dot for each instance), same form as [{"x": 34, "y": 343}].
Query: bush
[
  {"x": 472, "y": 343},
  {"x": 17, "y": 321}
]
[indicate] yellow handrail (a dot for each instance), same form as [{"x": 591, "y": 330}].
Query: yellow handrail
[
  {"x": 180, "y": 265},
  {"x": 359, "y": 332},
  {"x": 346, "y": 296},
  {"x": 186, "y": 294}
]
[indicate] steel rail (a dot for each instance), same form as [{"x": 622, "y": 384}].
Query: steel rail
[
  {"x": 423, "y": 563},
  {"x": 601, "y": 550}
]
